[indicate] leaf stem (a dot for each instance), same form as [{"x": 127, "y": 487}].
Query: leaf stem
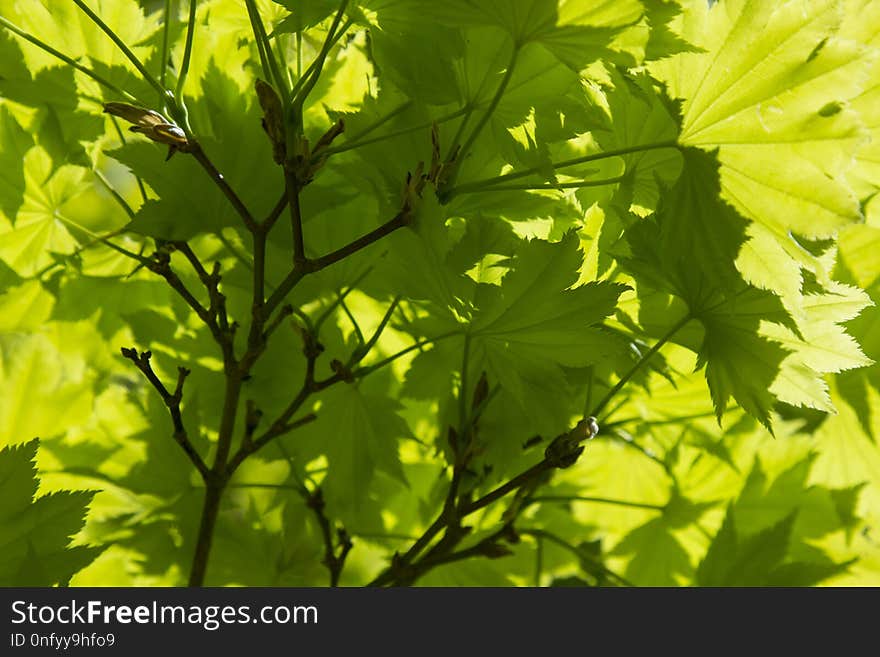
[
  {"x": 187, "y": 49},
  {"x": 577, "y": 184},
  {"x": 267, "y": 56},
  {"x": 378, "y": 123},
  {"x": 379, "y": 329},
  {"x": 123, "y": 141},
  {"x": 305, "y": 84},
  {"x": 491, "y": 182},
  {"x": 114, "y": 193},
  {"x": 493, "y": 104},
  {"x": 364, "y": 371},
  {"x": 599, "y": 407},
  {"x": 352, "y": 144},
  {"x": 598, "y": 500},
  {"x": 65, "y": 58},
  {"x": 580, "y": 554},
  {"x": 163, "y": 53},
  {"x": 149, "y": 77},
  {"x": 463, "y": 416},
  {"x": 340, "y": 297}
]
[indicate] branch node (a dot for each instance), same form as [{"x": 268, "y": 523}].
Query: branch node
[
  {"x": 566, "y": 448},
  {"x": 252, "y": 418},
  {"x": 182, "y": 373},
  {"x": 342, "y": 371}
]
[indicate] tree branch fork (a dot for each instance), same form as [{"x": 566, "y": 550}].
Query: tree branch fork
[{"x": 300, "y": 162}]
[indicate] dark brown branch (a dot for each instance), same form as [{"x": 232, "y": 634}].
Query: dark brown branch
[
  {"x": 316, "y": 264},
  {"x": 399, "y": 220},
  {"x": 252, "y": 418},
  {"x": 292, "y": 189},
  {"x": 490, "y": 547},
  {"x": 508, "y": 487},
  {"x": 251, "y": 446},
  {"x": 160, "y": 264},
  {"x": 196, "y": 150},
  {"x": 275, "y": 213},
  {"x": 334, "y": 562},
  {"x": 283, "y": 289},
  {"x": 562, "y": 452},
  {"x": 211, "y": 282},
  {"x": 286, "y": 311},
  {"x": 172, "y": 401}
]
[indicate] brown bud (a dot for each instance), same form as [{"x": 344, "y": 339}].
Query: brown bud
[
  {"x": 273, "y": 119},
  {"x": 151, "y": 124}
]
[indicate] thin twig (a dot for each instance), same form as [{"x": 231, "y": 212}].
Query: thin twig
[
  {"x": 333, "y": 560},
  {"x": 641, "y": 362},
  {"x": 297, "y": 273},
  {"x": 202, "y": 158},
  {"x": 172, "y": 401},
  {"x": 187, "y": 49},
  {"x": 580, "y": 554}
]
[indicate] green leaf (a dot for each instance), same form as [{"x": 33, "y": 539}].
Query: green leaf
[
  {"x": 759, "y": 560},
  {"x": 416, "y": 55},
  {"x": 758, "y": 94},
  {"x": 189, "y": 203},
  {"x": 659, "y": 548},
  {"x": 304, "y": 14},
  {"x": 35, "y": 534},
  {"x": 535, "y": 323},
  {"x": 574, "y": 32},
  {"x": 366, "y": 429},
  {"x": 16, "y": 143}
]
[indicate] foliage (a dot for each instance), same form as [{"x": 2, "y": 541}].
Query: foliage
[{"x": 448, "y": 293}]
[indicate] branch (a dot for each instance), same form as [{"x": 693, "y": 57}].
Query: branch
[
  {"x": 172, "y": 401},
  {"x": 211, "y": 281},
  {"x": 598, "y": 408},
  {"x": 490, "y": 547},
  {"x": 276, "y": 212},
  {"x": 562, "y": 452},
  {"x": 283, "y": 425},
  {"x": 334, "y": 562},
  {"x": 399, "y": 220},
  {"x": 197, "y": 152},
  {"x": 160, "y": 264},
  {"x": 580, "y": 554},
  {"x": 305, "y": 84},
  {"x": 292, "y": 188}
]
